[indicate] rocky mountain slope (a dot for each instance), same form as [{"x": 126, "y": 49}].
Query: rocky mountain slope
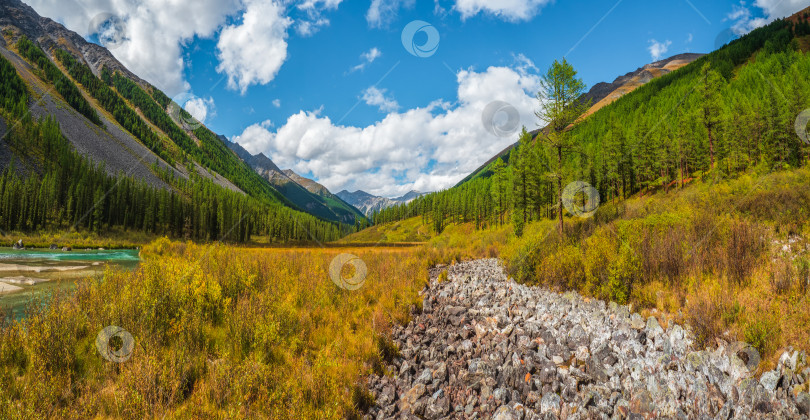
[
  {"x": 603, "y": 94},
  {"x": 368, "y": 203},
  {"x": 484, "y": 346},
  {"x": 305, "y": 193},
  {"x": 173, "y": 149}
]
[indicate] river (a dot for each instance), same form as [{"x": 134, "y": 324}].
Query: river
[{"x": 25, "y": 274}]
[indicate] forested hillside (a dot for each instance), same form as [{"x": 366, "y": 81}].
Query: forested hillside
[
  {"x": 728, "y": 113},
  {"x": 63, "y": 190}
]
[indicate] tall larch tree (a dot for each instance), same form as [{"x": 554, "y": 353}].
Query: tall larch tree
[{"x": 560, "y": 105}]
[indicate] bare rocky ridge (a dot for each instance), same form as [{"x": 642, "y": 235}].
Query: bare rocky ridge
[
  {"x": 485, "y": 346},
  {"x": 16, "y": 15},
  {"x": 369, "y": 204}
]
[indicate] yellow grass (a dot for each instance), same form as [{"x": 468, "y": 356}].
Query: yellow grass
[{"x": 219, "y": 332}]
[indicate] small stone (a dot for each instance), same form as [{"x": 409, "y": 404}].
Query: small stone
[
  {"x": 410, "y": 398},
  {"x": 789, "y": 360},
  {"x": 439, "y": 374},
  {"x": 550, "y": 403},
  {"x": 653, "y": 328},
  {"x": 803, "y": 403},
  {"x": 582, "y": 353},
  {"x": 425, "y": 377},
  {"x": 642, "y": 403},
  {"x": 506, "y": 412},
  {"x": 636, "y": 322},
  {"x": 438, "y": 408},
  {"x": 769, "y": 380}
]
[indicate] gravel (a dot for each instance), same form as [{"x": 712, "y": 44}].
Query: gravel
[{"x": 484, "y": 346}]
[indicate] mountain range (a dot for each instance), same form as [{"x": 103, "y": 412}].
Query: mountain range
[
  {"x": 369, "y": 204},
  {"x": 131, "y": 127},
  {"x": 171, "y": 150},
  {"x": 305, "y": 193}
]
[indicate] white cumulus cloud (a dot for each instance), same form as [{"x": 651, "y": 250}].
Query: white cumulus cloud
[
  {"x": 376, "y": 97},
  {"x": 743, "y": 17},
  {"x": 658, "y": 49},
  {"x": 201, "y": 108},
  {"x": 253, "y": 51},
  {"x": 314, "y": 10},
  {"x": 382, "y": 12},
  {"x": 256, "y": 138},
  {"x": 155, "y": 31},
  {"x": 367, "y": 58},
  {"x": 412, "y": 149},
  {"x": 510, "y": 10}
]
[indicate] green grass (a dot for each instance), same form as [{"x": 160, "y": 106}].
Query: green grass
[
  {"x": 113, "y": 239},
  {"x": 409, "y": 230}
]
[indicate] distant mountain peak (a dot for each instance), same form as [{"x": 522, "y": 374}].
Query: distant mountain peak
[
  {"x": 301, "y": 191},
  {"x": 369, "y": 203}
]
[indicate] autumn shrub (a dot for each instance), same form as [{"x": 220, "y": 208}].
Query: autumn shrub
[
  {"x": 562, "y": 269},
  {"x": 743, "y": 250},
  {"x": 782, "y": 276},
  {"x": 599, "y": 251},
  {"x": 803, "y": 274},
  {"x": 622, "y": 273},
  {"x": 219, "y": 332},
  {"x": 763, "y": 335},
  {"x": 704, "y": 314}
]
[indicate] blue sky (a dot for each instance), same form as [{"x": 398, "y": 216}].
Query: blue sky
[{"x": 327, "y": 88}]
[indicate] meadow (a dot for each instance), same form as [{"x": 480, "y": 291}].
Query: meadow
[{"x": 217, "y": 332}]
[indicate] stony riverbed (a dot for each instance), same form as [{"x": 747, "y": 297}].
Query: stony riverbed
[{"x": 484, "y": 346}]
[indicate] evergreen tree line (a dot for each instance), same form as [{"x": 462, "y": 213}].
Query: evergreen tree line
[
  {"x": 211, "y": 153},
  {"x": 68, "y": 191},
  {"x": 62, "y": 189},
  {"x": 61, "y": 83},
  {"x": 13, "y": 95},
  {"x": 730, "y": 112},
  {"x": 112, "y": 103}
]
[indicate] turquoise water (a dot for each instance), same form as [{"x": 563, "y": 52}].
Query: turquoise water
[
  {"x": 26, "y": 256},
  {"x": 39, "y": 273}
]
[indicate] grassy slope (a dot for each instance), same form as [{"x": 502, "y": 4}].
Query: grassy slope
[
  {"x": 409, "y": 230},
  {"x": 728, "y": 258}
]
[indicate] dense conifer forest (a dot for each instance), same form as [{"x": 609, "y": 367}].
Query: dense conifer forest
[
  {"x": 63, "y": 190},
  {"x": 730, "y": 112}
]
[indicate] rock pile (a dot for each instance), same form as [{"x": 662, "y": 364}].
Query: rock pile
[{"x": 484, "y": 346}]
